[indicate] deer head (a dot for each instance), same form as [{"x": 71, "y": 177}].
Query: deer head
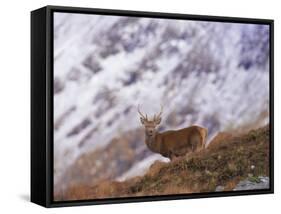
[{"x": 150, "y": 125}]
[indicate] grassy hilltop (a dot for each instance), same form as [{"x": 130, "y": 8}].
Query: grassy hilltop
[{"x": 227, "y": 160}]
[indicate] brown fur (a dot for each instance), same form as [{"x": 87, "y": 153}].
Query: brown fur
[{"x": 175, "y": 143}]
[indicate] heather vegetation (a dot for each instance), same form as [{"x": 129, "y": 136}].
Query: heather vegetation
[{"x": 229, "y": 159}]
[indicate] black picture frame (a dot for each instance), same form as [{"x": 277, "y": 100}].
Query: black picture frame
[{"x": 42, "y": 104}]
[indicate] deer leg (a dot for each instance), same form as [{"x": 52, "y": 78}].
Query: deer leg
[
  {"x": 175, "y": 157},
  {"x": 195, "y": 141},
  {"x": 171, "y": 156}
]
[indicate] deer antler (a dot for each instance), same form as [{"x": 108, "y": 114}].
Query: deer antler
[
  {"x": 157, "y": 117},
  {"x": 144, "y": 117}
]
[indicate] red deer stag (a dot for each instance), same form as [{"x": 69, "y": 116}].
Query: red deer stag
[{"x": 172, "y": 143}]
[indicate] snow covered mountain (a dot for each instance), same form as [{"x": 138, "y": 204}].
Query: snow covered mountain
[{"x": 209, "y": 73}]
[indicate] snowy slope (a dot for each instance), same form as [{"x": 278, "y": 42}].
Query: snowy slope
[{"x": 213, "y": 74}]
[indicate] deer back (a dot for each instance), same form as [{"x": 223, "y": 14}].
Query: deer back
[{"x": 180, "y": 142}]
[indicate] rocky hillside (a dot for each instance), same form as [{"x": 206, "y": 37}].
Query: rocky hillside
[{"x": 230, "y": 162}]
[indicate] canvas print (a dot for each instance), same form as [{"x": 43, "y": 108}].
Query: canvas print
[{"x": 156, "y": 106}]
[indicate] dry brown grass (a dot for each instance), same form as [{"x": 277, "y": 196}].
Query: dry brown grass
[{"x": 226, "y": 161}]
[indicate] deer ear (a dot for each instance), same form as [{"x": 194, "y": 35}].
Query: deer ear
[
  {"x": 158, "y": 121},
  {"x": 142, "y": 120}
]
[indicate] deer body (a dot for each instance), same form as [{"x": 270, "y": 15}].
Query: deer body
[
  {"x": 177, "y": 143},
  {"x": 173, "y": 143}
]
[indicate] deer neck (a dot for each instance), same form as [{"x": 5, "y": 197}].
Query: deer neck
[{"x": 151, "y": 142}]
